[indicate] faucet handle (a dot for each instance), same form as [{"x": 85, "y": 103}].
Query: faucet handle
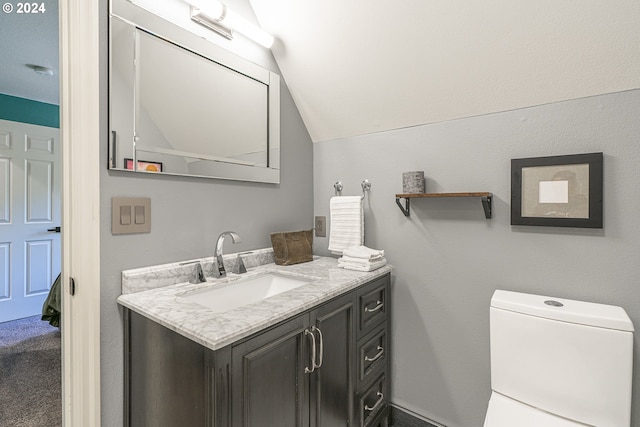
[
  {"x": 239, "y": 267},
  {"x": 199, "y": 276},
  {"x": 198, "y": 273}
]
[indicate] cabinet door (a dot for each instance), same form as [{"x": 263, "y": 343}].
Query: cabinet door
[
  {"x": 269, "y": 384},
  {"x": 332, "y": 384}
]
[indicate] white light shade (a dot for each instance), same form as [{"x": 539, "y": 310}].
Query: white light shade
[
  {"x": 212, "y": 8},
  {"x": 245, "y": 27},
  {"x": 217, "y": 11}
]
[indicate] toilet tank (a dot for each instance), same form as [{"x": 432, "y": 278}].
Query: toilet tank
[{"x": 570, "y": 358}]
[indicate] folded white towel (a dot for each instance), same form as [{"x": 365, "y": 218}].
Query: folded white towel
[
  {"x": 347, "y": 223},
  {"x": 360, "y": 266},
  {"x": 362, "y": 261},
  {"x": 363, "y": 252}
]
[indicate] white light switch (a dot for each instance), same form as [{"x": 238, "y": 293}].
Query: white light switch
[
  {"x": 130, "y": 215},
  {"x": 139, "y": 214},
  {"x": 125, "y": 215}
]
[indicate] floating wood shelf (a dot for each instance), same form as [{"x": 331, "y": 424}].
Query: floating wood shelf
[{"x": 484, "y": 197}]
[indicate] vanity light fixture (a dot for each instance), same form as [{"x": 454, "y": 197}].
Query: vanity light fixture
[{"x": 219, "y": 18}]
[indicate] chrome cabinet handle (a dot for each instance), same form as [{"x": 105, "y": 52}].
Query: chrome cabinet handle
[
  {"x": 376, "y": 357},
  {"x": 321, "y": 352},
  {"x": 313, "y": 352},
  {"x": 379, "y": 305},
  {"x": 377, "y": 404}
]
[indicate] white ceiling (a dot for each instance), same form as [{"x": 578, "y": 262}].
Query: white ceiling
[
  {"x": 362, "y": 66},
  {"x": 30, "y": 39}
]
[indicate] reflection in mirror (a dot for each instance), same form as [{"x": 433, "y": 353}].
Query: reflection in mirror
[{"x": 180, "y": 112}]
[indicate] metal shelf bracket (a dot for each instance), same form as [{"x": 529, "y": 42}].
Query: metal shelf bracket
[
  {"x": 406, "y": 209},
  {"x": 486, "y": 204}
]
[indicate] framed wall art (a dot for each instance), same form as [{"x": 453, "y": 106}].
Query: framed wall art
[
  {"x": 143, "y": 165},
  {"x": 557, "y": 191}
]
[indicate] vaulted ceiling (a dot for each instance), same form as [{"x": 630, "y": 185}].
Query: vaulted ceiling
[{"x": 361, "y": 66}]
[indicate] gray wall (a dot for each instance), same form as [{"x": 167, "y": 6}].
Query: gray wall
[
  {"x": 449, "y": 259},
  {"x": 187, "y": 216}
]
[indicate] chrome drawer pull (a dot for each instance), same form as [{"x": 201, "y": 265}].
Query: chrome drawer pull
[
  {"x": 321, "y": 353},
  {"x": 377, "y": 404},
  {"x": 376, "y": 357},
  {"x": 313, "y": 353},
  {"x": 379, "y": 305}
]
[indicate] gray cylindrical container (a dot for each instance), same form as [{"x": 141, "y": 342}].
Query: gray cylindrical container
[{"x": 413, "y": 182}]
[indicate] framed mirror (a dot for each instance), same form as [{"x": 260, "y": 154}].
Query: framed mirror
[{"x": 183, "y": 106}]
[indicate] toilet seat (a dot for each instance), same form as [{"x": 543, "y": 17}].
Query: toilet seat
[{"x": 506, "y": 412}]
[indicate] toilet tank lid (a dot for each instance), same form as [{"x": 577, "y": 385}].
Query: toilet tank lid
[{"x": 565, "y": 310}]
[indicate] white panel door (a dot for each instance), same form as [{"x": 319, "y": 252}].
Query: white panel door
[{"x": 30, "y": 182}]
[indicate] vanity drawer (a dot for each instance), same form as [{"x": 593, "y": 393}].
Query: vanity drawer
[
  {"x": 372, "y": 402},
  {"x": 372, "y": 353},
  {"x": 382, "y": 420},
  {"x": 373, "y": 305}
]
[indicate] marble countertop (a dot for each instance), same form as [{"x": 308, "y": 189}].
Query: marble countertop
[{"x": 216, "y": 330}]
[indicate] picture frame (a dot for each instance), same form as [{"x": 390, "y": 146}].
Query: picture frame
[
  {"x": 143, "y": 165},
  {"x": 558, "y": 191}
]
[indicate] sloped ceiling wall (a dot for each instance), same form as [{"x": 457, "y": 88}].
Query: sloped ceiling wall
[{"x": 361, "y": 66}]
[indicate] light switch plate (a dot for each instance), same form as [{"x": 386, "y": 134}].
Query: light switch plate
[
  {"x": 130, "y": 215},
  {"x": 321, "y": 226}
]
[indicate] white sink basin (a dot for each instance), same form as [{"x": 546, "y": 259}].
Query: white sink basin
[{"x": 227, "y": 296}]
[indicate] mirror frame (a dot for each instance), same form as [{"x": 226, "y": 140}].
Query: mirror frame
[{"x": 147, "y": 21}]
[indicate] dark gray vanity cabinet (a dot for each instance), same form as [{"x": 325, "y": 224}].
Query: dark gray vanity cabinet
[
  {"x": 327, "y": 367},
  {"x": 164, "y": 381},
  {"x": 300, "y": 373}
]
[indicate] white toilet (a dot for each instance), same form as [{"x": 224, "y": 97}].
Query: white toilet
[{"x": 559, "y": 363}]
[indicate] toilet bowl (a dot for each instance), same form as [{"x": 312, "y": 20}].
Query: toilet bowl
[
  {"x": 503, "y": 411},
  {"x": 558, "y": 363}
]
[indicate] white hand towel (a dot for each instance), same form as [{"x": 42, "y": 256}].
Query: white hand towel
[
  {"x": 363, "y": 252},
  {"x": 368, "y": 266},
  {"x": 362, "y": 261},
  {"x": 347, "y": 223}
]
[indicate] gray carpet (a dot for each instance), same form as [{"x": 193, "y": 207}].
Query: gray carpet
[{"x": 30, "y": 374}]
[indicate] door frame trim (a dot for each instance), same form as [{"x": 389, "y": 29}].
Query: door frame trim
[{"x": 80, "y": 141}]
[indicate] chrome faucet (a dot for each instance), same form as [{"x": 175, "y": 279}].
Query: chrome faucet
[{"x": 221, "y": 272}]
